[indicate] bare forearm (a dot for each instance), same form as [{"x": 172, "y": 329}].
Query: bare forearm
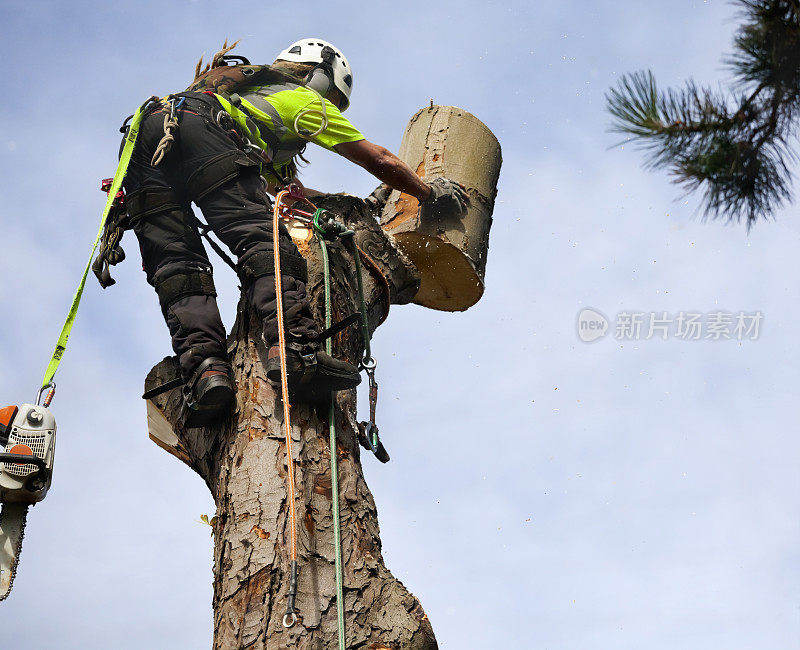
[
  {"x": 385, "y": 166},
  {"x": 395, "y": 173}
]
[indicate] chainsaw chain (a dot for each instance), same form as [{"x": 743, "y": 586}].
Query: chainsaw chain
[{"x": 17, "y": 552}]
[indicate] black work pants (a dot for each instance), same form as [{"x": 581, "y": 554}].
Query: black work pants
[{"x": 236, "y": 208}]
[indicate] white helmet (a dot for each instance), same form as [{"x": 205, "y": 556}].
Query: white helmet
[{"x": 330, "y": 62}]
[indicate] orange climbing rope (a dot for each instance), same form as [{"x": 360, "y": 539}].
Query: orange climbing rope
[{"x": 290, "y": 618}]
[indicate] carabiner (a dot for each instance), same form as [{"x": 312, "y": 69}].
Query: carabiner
[
  {"x": 51, "y": 392},
  {"x": 373, "y": 442}
]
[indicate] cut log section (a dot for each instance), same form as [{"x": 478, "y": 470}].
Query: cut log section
[{"x": 449, "y": 252}]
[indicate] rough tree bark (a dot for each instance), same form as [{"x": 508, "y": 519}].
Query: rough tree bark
[{"x": 242, "y": 461}]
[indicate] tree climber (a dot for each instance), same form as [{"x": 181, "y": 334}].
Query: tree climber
[{"x": 235, "y": 133}]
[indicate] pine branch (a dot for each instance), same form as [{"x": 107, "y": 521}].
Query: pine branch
[{"x": 735, "y": 147}]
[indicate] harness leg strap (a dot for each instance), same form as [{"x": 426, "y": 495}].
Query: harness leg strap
[
  {"x": 216, "y": 172},
  {"x": 149, "y": 201}
]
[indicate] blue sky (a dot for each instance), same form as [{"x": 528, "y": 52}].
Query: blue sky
[{"x": 619, "y": 494}]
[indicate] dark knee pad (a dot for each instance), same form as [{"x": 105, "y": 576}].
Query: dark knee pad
[
  {"x": 183, "y": 281},
  {"x": 262, "y": 263}
]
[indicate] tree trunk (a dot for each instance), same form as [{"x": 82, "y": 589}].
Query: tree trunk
[{"x": 242, "y": 460}]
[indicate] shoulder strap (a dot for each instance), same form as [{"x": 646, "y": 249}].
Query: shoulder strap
[{"x": 232, "y": 78}]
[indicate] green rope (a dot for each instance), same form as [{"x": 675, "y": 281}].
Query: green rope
[
  {"x": 367, "y": 362},
  {"x": 337, "y": 532}
]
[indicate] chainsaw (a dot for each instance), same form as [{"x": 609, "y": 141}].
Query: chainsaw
[{"x": 27, "y": 449}]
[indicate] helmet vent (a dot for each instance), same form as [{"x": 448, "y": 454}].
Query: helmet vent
[
  {"x": 349, "y": 81},
  {"x": 295, "y": 50}
]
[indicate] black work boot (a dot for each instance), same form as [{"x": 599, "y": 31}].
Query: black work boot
[
  {"x": 209, "y": 394},
  {"x": 310, "y": 371}
]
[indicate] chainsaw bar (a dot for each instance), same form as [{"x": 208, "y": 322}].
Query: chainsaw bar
[{"x": 12, "y": 529}]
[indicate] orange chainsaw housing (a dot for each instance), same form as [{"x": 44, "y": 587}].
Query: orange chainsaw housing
[{"x": 7, "y": 416}]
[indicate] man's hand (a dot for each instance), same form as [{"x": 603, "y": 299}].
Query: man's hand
[{"x": 446, "y": 197}]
